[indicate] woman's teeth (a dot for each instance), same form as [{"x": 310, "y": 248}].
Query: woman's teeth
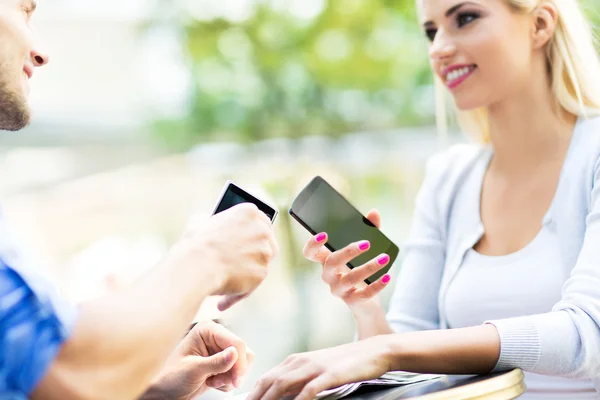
[{"x": 457, "y": 73}]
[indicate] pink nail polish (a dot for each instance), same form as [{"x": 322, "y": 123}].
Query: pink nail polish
[
  {"x": 320, "y": 237},
  {"x": 383, "y": 259},
  {"x": 386, "y": 279},
  {"x": 364, "y": 245}
]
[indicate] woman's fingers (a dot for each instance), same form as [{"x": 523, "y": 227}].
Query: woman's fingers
[
  {"x": 288, "y": 384},
  {"x": 316, "y": 386},
  {"x": 347, "y": 254},
  {"x": 373, "y": 289},
  {"x": 315, "y": 249},
  {"x": 374, "y": 217},
  {"x": 359, "y": 274}
]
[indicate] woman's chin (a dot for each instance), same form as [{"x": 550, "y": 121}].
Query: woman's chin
[{"x": 465, "y": 105}]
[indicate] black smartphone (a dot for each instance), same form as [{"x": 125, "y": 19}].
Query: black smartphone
[
  {"x": 321, "y": 208},
  {"x": 233, "y": 194}
]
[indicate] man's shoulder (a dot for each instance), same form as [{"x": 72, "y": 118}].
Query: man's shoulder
[
  {"x": 8, "y": 242},
  {"x": 18, "y": 267}
]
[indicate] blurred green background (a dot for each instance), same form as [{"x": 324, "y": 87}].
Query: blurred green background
[
  {"x": 288, "y": 69},
  {"x": 148, "y": 106},
  {"x": 317, "y": 67}
]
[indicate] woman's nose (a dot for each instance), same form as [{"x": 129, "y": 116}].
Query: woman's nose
[{"x": 441, "y": 49}]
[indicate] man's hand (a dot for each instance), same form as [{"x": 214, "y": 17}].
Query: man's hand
[
  {"x": 233, "y": 247},
  {"x": 208, "y": 357}
]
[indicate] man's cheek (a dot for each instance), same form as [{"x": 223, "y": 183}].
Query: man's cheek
[{"x": 14, "y": 28}]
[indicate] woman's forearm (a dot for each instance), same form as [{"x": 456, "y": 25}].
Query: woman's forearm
[
  {"x": 472, "y": 350},
  {"x": 128, "y": 334},
  {"x": 370, "y": 319}
]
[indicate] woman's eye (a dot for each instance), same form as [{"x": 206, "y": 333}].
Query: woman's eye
[
  {"x": 430, "y": 33},
  {"x": 466, "y": 18}
]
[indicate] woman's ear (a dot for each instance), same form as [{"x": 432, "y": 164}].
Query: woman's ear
[{"x": 544, "y": 20}]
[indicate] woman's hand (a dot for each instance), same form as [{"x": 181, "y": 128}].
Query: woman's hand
[
  {"x": 464, "y": 351},
  {"x": 308, "y": 374},
  {"x": 345, "y": 283}
]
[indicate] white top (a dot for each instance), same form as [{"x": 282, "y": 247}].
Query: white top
[
  {"x": 526, "y": 282},
  {"x": 563, "y": 341}
]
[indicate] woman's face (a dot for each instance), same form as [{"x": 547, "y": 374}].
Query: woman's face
[{"x": 481, "y": 49}]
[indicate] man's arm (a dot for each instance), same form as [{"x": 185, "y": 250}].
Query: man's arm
[
  {"x": 121, "y": 342},
  {"x": 108, "y": 342}
]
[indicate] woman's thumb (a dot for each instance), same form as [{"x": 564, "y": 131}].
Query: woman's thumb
[{"x": 374, "y": 217}]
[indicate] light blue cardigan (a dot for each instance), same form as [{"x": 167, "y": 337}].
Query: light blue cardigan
[{"x": 566, "y": 340}]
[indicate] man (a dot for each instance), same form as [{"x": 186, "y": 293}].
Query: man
[{"x": 126, "y": 345}]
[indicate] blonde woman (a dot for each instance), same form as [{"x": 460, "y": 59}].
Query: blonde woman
[{"x": 502, "y": 266}]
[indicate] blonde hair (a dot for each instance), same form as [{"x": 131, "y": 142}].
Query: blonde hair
[{"x": 573, "y": 63}]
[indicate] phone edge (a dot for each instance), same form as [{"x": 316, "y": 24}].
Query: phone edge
[{"x": 229, "y": 183}]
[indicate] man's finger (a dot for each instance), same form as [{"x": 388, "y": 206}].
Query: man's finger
[
  {"x": 218, "y": 363},
  {"x": 219, "y": 381},
  {"x": 229, "y": 301},
  {"x": 250, "y": 356},
  {"x": 223, "y": 338},
  {"x": 226, "y": 388},
  {"x": 273, "y": 243}
]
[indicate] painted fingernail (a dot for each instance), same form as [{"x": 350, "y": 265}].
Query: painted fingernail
[
  {"x": 364, "y": 245},
  {"x": 384, "y": 259},
  {"x": 320, "y": 237},
  {"x": 386, "y": 279}
]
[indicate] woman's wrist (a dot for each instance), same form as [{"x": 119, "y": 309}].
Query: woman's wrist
[
  {"x": 386, "y": 349},
  {"x": 370, "y": 319},
  {"x": 366, "y": 308}
]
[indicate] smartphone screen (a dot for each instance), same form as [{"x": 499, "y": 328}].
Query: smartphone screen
[
  {"x": 320, "y": 208},
  {"x": 234, "y": 195}
]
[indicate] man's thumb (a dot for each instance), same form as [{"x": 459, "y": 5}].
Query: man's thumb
[{"x": 221, "y": 362}]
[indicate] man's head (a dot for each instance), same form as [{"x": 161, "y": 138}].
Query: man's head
[{"x": 19, "y": 54}]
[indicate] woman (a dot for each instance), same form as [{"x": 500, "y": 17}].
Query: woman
[{"x": 502, "y": 266}]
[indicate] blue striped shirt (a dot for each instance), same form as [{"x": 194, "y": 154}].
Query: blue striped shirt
[{"x": 34, "y": 322}]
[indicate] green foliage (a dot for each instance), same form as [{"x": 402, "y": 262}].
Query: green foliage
[
  {"x": 356, "y": 65},
  {"x": 359, "y": 64}
]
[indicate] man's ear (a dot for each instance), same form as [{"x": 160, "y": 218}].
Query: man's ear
[{"x": 544, "y": 21}]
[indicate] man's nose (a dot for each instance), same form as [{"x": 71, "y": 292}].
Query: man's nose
[{"x": 39, "y": 57}]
